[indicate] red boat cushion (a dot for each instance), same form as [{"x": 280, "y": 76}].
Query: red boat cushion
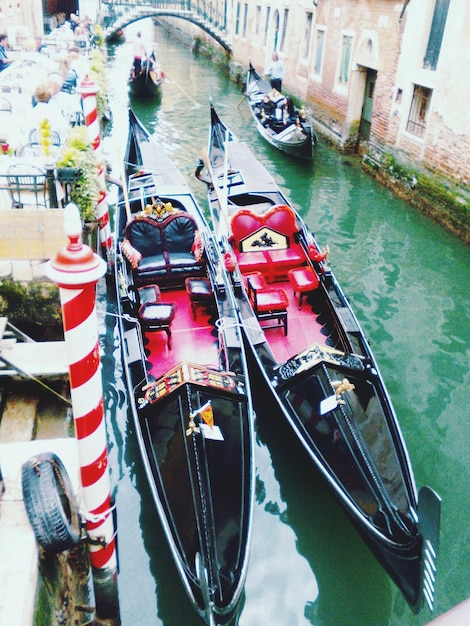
[
  {"x": 271, "y": 299},
  {"x": 267, "y": 242}
]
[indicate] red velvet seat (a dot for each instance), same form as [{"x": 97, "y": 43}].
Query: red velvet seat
[
  {"x": 268, "y": 242},
  {"x": 256, "y": 279},
  {"x": 269, "y": 303},
  {"x": 303, "y": 280}
]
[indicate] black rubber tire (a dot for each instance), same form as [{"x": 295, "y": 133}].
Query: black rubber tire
[{"x": 49, "y": 502}]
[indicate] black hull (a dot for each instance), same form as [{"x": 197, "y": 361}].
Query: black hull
[
  {"x": 145, "y": 87},
  {"x": 329, "y": 390},
  {"x": 201, "y": 477},
  {"x": 294, "y": 138}
]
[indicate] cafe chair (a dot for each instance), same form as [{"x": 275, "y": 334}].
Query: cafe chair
[
  {"x": 5, "y": 105},
  {"x": 30, "y": 150},
  {"x": 27, "y": 185},
  {"x": 33, "y": 137}
]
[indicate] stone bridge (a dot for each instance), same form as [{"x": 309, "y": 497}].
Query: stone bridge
[{"x": 117, "y": 14}]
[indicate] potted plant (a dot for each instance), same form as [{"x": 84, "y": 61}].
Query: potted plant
[{"x": 78, "y": 166}]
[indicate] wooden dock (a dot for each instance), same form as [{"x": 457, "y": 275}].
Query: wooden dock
[{"x": 24, "y": 357}]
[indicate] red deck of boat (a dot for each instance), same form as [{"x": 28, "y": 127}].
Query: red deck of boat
[
  {"x": 192, "y": 340},
  {"x": 196, "y": 340},
  {"x": 303, "y": 327}
]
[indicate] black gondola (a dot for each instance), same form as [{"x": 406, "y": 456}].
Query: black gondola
[
  {"x": 188, "y": 391},
  {"x": 147, "y": 84},
  {"x": 279, "y": 122},
  {"x": 316, "y": 363}
]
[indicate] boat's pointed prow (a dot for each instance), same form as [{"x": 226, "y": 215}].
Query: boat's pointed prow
[{"x": 429, "y": 515}]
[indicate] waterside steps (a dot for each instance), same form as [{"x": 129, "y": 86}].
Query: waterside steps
[
  {"x": 22, "y": 356},
  {"x": 32, "y": 375}
]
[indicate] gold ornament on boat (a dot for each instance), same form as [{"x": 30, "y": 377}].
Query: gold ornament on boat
[
  {"x": 192, "y": 428},
  {"x": 158, "y": 210},
  {"x": 342, "y": 386}
]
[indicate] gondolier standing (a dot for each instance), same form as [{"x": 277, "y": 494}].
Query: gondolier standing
[
  {"x": 139, "y": 53},
  {"x": 275, "y": 71}
]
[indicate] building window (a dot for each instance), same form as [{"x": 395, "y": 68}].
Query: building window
[
  {"x": 436, "y": 34},
  {"x": 237, "y": 19},
  {"x": 319, "y": 48},
  {"x": 284, "y": 30},
  {"x": 346, "y": 48},
  {"x": 257, "y": 19},
  {"x": 266, "y": 28},
  {"x": 307, "y": 35},
  {"x": 419, "y": 111},
  {"x": 245, "y": 19}
]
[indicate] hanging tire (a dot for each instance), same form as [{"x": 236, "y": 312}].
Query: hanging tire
[{"x": 49, "y": 502}]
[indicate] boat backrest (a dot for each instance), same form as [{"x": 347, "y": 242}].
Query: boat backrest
[
  {"x": 280, "y": 218},
  {"x": 151, "y": 237}
]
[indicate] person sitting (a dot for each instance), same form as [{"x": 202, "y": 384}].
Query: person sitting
[
  {"x": 4, "y": 58},
  {"x": 266, "y": 110},
  {"x": 277, "y": 98}
]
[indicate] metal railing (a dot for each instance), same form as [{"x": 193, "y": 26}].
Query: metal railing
[{"x": 203, "y": 13}]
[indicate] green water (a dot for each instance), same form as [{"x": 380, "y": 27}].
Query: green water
[{"x": 408, "y": 283}]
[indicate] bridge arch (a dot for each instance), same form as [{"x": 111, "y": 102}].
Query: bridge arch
[{"x": 114, "y": 22}]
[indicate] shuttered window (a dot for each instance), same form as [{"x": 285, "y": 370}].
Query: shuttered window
[
  {"x": 284, "y": 30},
  {"x": 307, "y": 36},
  {"x": 436, "y": 34},
  {"x": 345, "y": 59}
]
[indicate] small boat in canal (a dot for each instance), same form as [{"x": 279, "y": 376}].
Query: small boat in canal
[
  {"x": 184, "y": 361},
  {"x": 147, "y": 84},
  {"x": 277, "y": 120},
  {"x": 311, "y": 354}
]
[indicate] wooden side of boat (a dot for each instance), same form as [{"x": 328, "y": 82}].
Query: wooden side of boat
[
  {"x": 319, "y": 367},
  {"x": 189, "y": 394},
  {"x": 286, "y": 129}
]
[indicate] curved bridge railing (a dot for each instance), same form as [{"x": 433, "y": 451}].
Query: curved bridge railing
[{"x": 117, "y": 14}]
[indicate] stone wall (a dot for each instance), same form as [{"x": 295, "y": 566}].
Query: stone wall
[{"x": 31, "y": 233}]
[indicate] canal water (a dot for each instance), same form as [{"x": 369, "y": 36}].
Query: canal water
[{"x": 408, "y": 281}]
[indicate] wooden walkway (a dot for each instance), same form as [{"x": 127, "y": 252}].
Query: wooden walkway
[{"x": 22, "y": 356}]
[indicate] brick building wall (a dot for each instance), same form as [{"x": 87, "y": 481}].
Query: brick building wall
[{"x": 387, "y": 38}]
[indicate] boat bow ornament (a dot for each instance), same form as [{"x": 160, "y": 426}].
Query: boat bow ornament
[{"x": 116, "y": 14}]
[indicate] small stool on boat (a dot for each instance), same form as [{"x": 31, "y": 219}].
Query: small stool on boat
[
  {"x": 269, "y": 303},
  {"x": 303, "y": 280},
  {"x": 149, "y": 293},
  {"x": 158, "y": 316},
  {"x": 153, "y": 315},
  {"x": 256, "y": 280},
  {"x": 200, "y": 293}
]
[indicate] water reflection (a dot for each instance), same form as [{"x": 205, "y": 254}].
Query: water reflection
[{"x": 337, "y": 564}]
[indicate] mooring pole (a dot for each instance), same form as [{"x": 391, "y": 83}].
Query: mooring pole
[
  {"x": 76, "y": 269},
  {"x": 88, "y": 91}
]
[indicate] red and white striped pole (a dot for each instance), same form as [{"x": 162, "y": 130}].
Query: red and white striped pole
[
  {"x": 88, "y": 90},
  {"x": 76, "y": 269}
]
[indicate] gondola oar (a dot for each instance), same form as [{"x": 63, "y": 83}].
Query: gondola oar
[
  {"x": 182, "y": 90},
  {"x": 241, "y": 100}
]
